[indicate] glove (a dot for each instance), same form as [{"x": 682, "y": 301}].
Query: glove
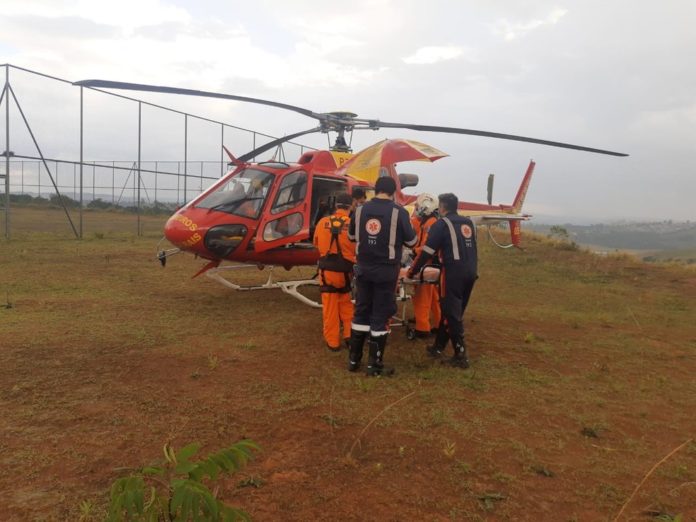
[{"x": 410, "y": 273}]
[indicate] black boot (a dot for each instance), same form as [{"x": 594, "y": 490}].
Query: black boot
[
  {"x": 459, "y": 359},
  {"x": 357, "y": 341},
  {"x": 375, "y": 363},
  {"x": 441, "y": 337},
  {"x": 386, "y": 370}
]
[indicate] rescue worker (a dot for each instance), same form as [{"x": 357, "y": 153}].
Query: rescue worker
[
  {"x": 335, "y": 272},
  {"x": 425, "y": 296},
  {"x": 380, "y": 229},
  {"x": 359, "y": 197},
  {"x": 454, "y": 237}
]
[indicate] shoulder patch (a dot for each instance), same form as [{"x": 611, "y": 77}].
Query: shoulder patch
[
  {"x": 467, "y": 232},
  {"x": 373, "y": 226}
]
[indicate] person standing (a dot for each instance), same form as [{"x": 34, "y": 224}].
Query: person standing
[
  {"x": 454, "y": 237},
  {"x": 380, "y": 228},
  {"x": 359, "y": 197},
  {"x": 336, "y": 272},
  {"x": 425, "y": 296}
]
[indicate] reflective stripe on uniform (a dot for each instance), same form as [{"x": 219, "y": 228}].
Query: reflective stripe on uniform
[
  {"x": 428, "y": 250},
  {"x": 358, "y": 211},
  {"x": 378, "y": 334},
  {"x": 360, "y": 327},
  {"x": 453, "y": 236},
  {"x": 392, "y": 232},
  {"x": 412, "y": 242}
]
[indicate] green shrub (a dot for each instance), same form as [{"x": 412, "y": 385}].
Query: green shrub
[{"x": 174, "y": 491}]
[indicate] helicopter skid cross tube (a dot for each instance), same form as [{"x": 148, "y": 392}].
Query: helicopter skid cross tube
[{"x": 288, "y": 287}]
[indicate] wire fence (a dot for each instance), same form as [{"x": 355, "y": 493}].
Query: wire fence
[
  {"x": 40, "y": 112},
  {"x": 115, "y": 182}
]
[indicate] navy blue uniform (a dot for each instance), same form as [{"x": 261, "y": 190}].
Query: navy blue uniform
[
  {"x": 380, "y": 229},
  {"x": 454, "y": 237}
]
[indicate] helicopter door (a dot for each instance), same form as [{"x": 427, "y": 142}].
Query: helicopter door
[
  {"x": 324, "y": 192},
  {"x": 287, "y": 221}
]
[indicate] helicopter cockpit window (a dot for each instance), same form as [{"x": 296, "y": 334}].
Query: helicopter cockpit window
[
  {"x": 292, "y": 192},
  {"x": 243, "y": 195}
]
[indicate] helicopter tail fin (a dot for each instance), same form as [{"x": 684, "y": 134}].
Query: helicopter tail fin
[{"x": 522, "y": 191}]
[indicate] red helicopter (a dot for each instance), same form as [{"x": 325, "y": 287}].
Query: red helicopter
[{"x": 263, "y": 214}]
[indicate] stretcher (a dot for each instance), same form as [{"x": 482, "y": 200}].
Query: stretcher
[{"x": 430, "y": 275}]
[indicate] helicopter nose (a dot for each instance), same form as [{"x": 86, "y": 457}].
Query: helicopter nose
[{"x": 182, "y": 231}]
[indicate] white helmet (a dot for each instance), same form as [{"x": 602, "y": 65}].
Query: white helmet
[{"x": 426, "y": 204}]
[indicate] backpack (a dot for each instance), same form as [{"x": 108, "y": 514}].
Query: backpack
[{"x": 336, "y": 262}]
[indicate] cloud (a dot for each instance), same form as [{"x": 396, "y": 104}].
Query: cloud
[
  {"x": 434, "y": 54},
  {"x": 512, "y": 30},
  {"x": 127, "y": 14},
  {"x": 165, "y": 44}
]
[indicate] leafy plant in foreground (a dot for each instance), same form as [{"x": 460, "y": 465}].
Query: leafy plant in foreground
[{"x": 175, "y": 492}]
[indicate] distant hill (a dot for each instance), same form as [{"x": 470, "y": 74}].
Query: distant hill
[{"x": 666, "y": 235}]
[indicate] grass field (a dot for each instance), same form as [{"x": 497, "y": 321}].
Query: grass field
[{"x": 583, "y": 377}]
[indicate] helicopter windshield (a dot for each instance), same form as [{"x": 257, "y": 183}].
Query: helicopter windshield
[{"x": 243, "y": 195}]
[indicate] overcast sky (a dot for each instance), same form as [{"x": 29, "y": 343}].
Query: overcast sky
[{"x": 617, "y": 75}]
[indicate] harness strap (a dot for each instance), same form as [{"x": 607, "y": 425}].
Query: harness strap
[{"x": 335, "y": 233}]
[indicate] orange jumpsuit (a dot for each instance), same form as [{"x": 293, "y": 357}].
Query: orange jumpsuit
[
  {"x": 425, "y": 297},
  {"x": 337, "y": 306}
]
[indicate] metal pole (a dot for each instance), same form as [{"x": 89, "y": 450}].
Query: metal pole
[
  {"x": 222, "y": 151},
  {"x": 7, "y": 151},
  {"x": 43, "y": 159},
  {"x": 82, "y": 158},
  {"x": 156, "y": 169},
  {"x": 140, "y": 121},
  {"x": 253, "y": 145},
  {"x": 185, "y": 155}
]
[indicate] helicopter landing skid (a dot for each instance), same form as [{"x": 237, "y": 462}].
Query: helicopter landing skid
[{"x": 289, "y": 287}]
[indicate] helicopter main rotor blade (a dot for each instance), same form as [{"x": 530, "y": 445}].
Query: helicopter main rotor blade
[
  {"x": 456, "y": 130},
  {"x": 330, "y": 121},
  {"x": 107, "y": 84},
  {"x": 263, "y": 148}
]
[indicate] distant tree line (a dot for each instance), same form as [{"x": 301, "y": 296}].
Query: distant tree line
[{"x": 54, "y": 201}]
